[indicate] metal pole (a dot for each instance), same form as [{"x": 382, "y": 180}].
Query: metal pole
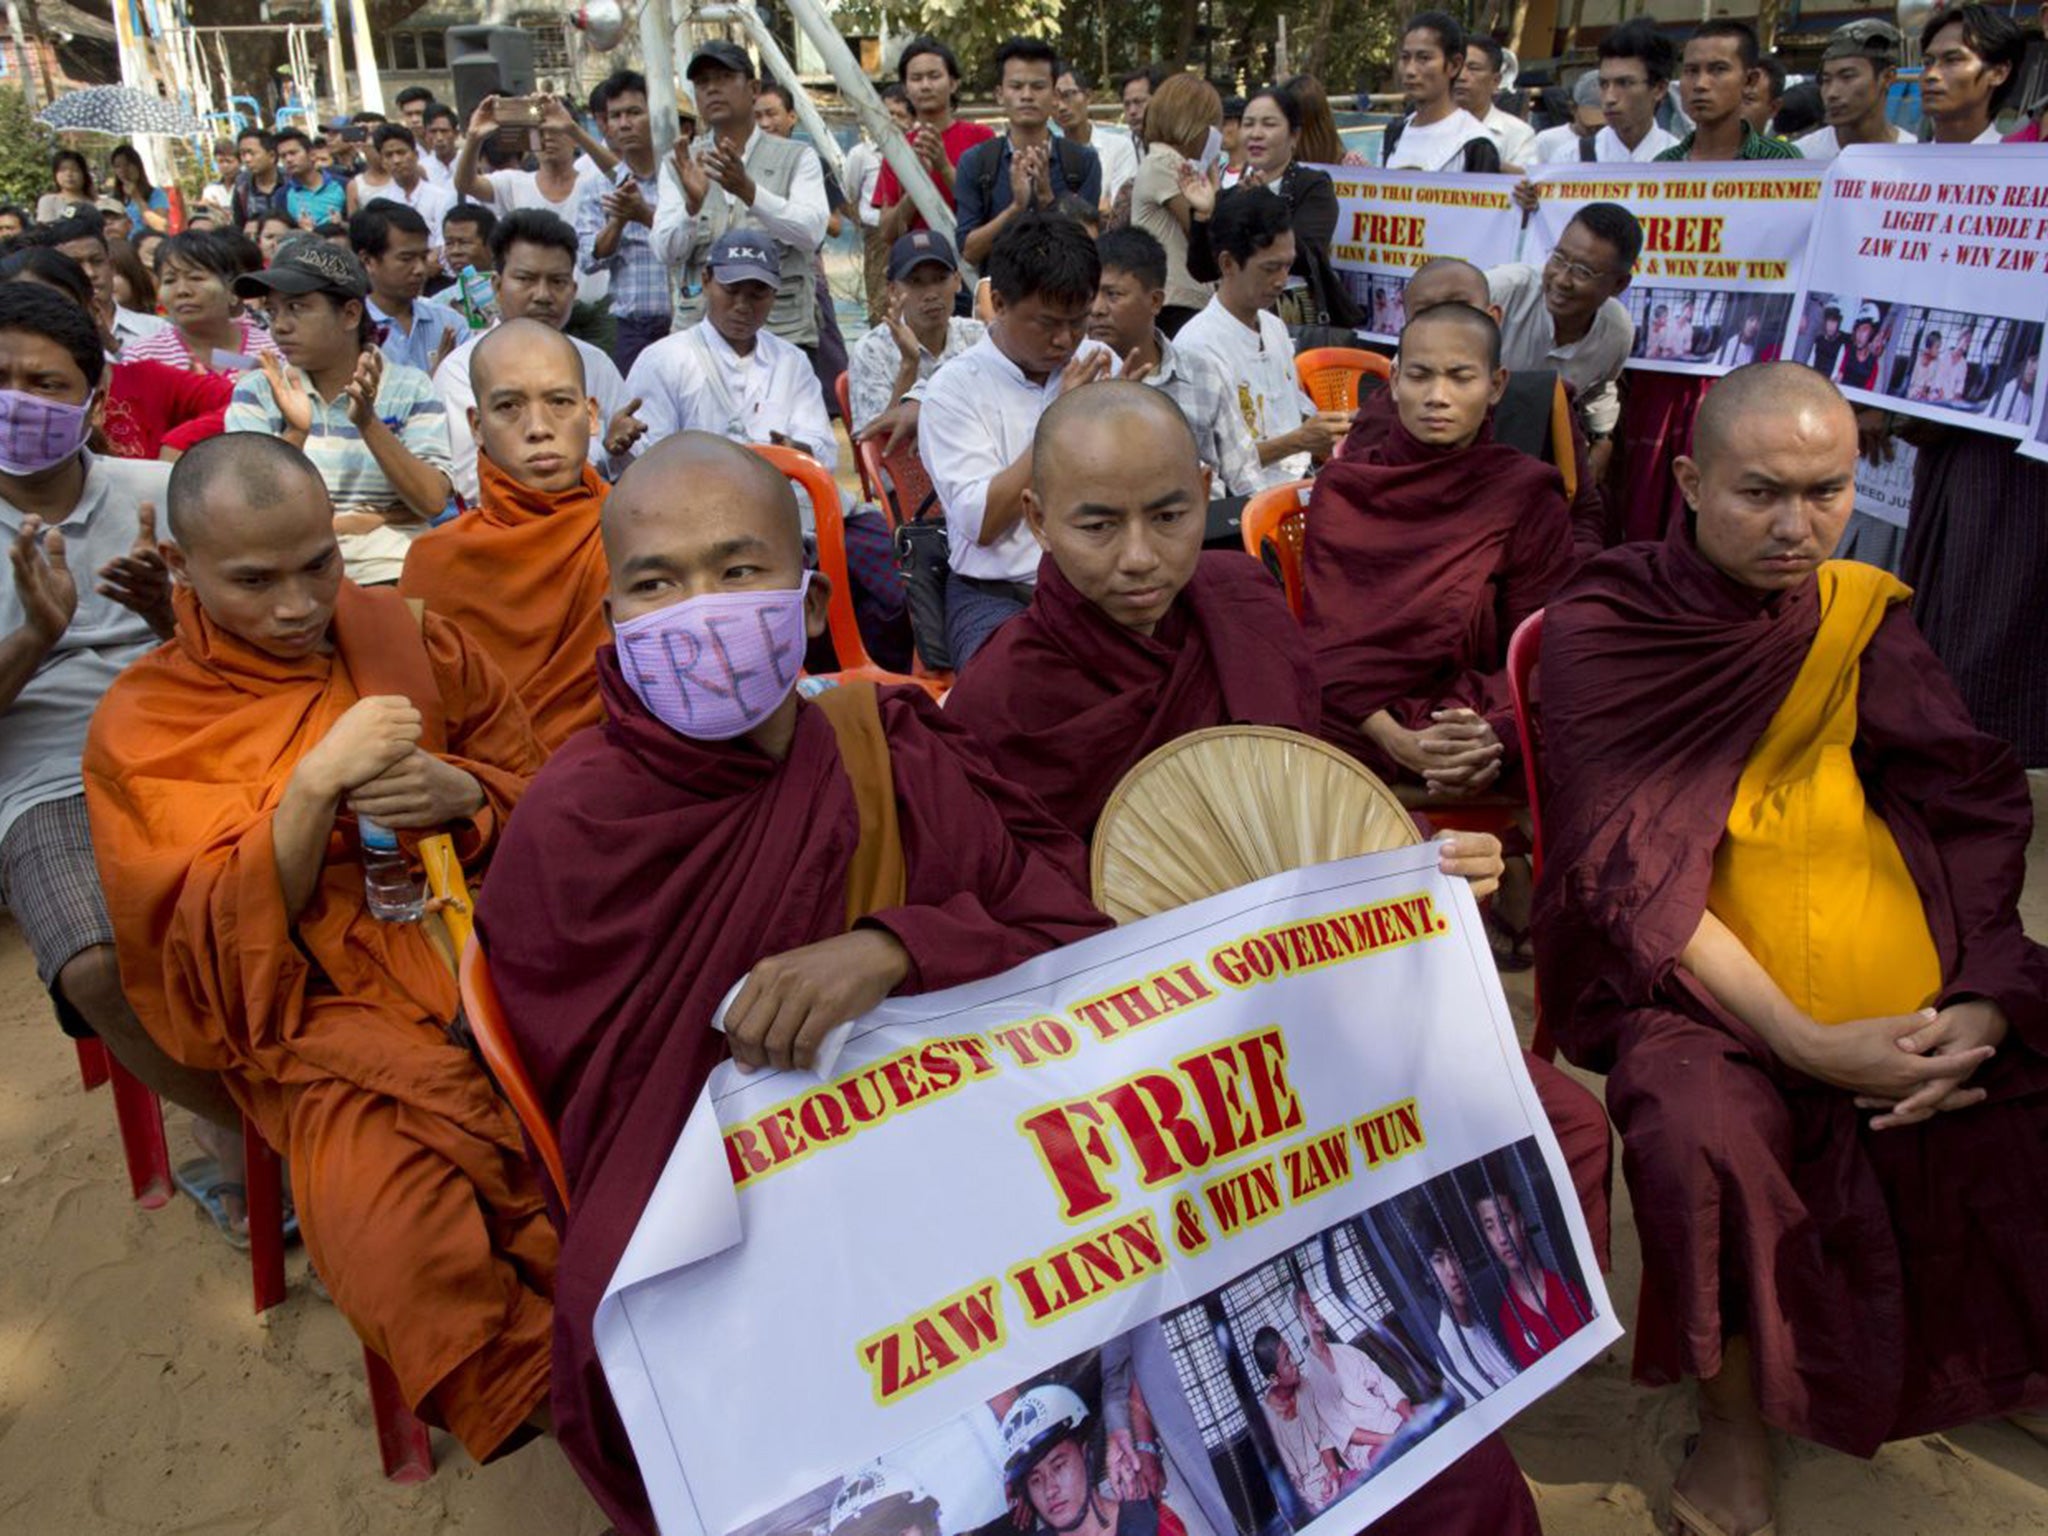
[
  {"x": 777, "y": 64},
  {"x": 368, "y": 82},
  {"x": 658, "y": 57},
  {"x": 859, "y": 93},
  {"x": 337, "y": 77}
]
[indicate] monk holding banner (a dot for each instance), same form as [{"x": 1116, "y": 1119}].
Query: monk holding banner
[
  {"x": 221, "y": 773},
  {"x": 1422, "y": 556},
  {"x": 523, "y": 571},
  {"x": 1780, "y": 909},
  {"x": 724, "y": 830}
]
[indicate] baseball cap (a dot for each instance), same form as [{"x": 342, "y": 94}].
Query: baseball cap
[
  {"x": 917, "y": 248},
  {"x": 1871, "y": 39},
  {"x": 307, "y": 264},
  {"x": 746, "y": 256},
  {"x": 110, "y": 205},
  {"x": 724, "y": 55}
]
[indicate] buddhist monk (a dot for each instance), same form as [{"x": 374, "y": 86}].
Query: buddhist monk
[
  {"x": 720, "y": 827},
  {"x": 1523, "y": 417},
  {"x": 1135, "y": 637},
  {"x": 227, "y": 775},
  {"x": 522, "y": 572},
  {"x": 1779, "y": 907},
  {"x": 1422, "y": 555}
]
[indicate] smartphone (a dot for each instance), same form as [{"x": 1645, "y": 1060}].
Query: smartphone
[{"x": 519, "y": 111}]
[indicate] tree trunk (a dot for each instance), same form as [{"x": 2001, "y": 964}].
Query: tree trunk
[
  {"x": 1184, "y": 25},
  {"x": 1318, "y": 51}
]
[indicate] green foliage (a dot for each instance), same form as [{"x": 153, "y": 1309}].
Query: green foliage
[{"x": 25, "y": 149}]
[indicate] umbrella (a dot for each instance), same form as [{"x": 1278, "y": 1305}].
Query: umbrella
[{"x": 121, "y": 110}]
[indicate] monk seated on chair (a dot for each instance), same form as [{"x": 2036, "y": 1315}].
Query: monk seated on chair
[
  {"x": 1780, "y": 908},
  {"x": 826, "y": 852},
  {"x": 522, "y": 572},
  {"x": 1135, "y": 637},
  {"x": 229, "y": 776},
  {"x": 1421, "y": 557}
]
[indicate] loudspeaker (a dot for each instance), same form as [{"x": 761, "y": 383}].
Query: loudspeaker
[{"x": 488, "y": 61}]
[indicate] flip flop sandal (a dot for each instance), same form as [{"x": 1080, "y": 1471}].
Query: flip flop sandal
[
  {"x": 201, "y": 1178},
  {"x": 1688, "y": 1520}
]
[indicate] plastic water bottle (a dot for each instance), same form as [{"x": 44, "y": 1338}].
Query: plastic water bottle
[
  {"x": 478, "y": 298},
  {"x": 395, "y": 890}
]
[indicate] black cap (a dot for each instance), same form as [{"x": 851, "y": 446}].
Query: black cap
[
  {"x": 724, "y": 55},
  {"x": 917, "y": 248},
  {"x": 307, "y": 264}
]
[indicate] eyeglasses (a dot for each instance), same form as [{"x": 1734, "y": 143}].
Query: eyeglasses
[{"x": 1577, "y": 271}]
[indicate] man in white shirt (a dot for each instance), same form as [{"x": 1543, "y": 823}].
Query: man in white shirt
[
  {"x": 1307, "y": 1450},
  {"x": 1636, "y": 64},
  {"x": 1360, "y": 1407},
  {"x": 534, "y": 252},
  {"x": 573, "y": 165},
  {"x": 1857, "y": 69},
  {"x": 1478, "y": 1364},
  {"x": 1252, "y": 235},
  {"x": 1573, "y": 141},
  {"x": 442, "y": 139},
  {"x": 1477, "y": 86},
  {"x": 974, "y": 433},
  {"x": 920, "y": 333},
  {"x": 1567, "y": 315},
  {"x": 729, "y": 376},
  {"x": 863, "y": 173},
  {"x": 1438, "y": 135},
  {"x": 1072, "y": 95},
  {"x": 735, "y": 176},
  {"x": 400, "y": 153}
]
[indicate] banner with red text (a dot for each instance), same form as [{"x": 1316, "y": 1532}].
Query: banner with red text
[
  {"x": 1391, "y": 222},
  {"x": 1242, "y": 1213},
  {"x": 1924, "y": 280},
  {"x": 1721, "y": 250}
]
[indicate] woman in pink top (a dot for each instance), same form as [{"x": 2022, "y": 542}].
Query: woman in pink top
[{"x": 195, "y": 274}]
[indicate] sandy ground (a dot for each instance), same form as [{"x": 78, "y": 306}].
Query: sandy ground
[{"x": 139, "y": 1393}]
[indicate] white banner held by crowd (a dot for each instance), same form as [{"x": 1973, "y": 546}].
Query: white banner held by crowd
[
  {"x": 1721, "y": 251},
  {"x": 1188, "y": 1176},
  {"x": 1391, "y": 222},
  {"x": 1924, "y": 281},
  {"x": 1885, "y": 491}
]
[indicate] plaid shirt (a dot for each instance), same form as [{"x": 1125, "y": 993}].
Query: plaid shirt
[
  {"x": 871, "y": 366},
  {"x": 640, "y": 286},
  {"x": 1755, "y": 146},
  {"x": 1195, "y": 382}
]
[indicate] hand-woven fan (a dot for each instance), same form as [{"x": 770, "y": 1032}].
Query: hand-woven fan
[{"x": 1221, "y": 808}]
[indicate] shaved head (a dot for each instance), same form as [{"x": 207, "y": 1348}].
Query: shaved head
[
  {"x": 224, "y": 482},
  {"x": 1445, "y": 280},
  {"x": 1473, "y": 326},
  {"x": 1728, "y": 414},
  {"x": 525, "y": 338},
  {"x": 1111, "y": 421}
]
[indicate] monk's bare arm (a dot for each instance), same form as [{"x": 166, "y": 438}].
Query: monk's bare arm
[
  {"x": 374, "y": 736},
  {"x": 299, "y": 830}
]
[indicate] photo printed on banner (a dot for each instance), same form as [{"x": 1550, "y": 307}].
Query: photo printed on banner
[
  {"x": 1390, "y": 222},
  {"x": 1908, "y": 355}
]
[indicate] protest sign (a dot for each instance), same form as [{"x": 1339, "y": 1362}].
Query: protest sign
[
  {"x": 1154, "y": 1214},
  {"x": 1885, "y": 490},
  {"x": 1721, "y": 251},
  {"x": 1930, "y": 258},
  {"x": 1391, "y": 222}
]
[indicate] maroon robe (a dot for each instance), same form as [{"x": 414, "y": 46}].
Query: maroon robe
[
  {"x": 1377, "y": 417},
  {"x": 1066, "y": 701},
  {"x": 1657, "y": 411},
  {"x": 647, "y": 874},
  {"x": 1418, "y": 565},
  {"x": 1890, "y": 1283}
]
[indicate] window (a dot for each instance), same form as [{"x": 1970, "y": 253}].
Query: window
[
  {"x": 1204, "y": 1376},
  {"x": 433, "y": 49},
  {"x": 550, "y": 48}
]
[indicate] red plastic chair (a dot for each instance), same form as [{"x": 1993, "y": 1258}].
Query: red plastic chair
[
  {"x": 842, "y": 391},
  {"x": 818, "y": 484},
  {"x": 1524, "y": 647},
  {"x": 901, "y": 484},
  {"x": 485, "y": 1013},
  {"x": 1330, "y": 375},
  {"x": 1279, "y": 516}
]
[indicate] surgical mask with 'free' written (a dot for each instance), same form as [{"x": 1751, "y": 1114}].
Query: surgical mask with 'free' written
[{"x": 715, "y": 667}]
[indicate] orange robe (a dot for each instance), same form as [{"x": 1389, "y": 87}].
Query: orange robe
[
  {"x": 414, "y": 1193},
  {"x": 523, "y": 572}
]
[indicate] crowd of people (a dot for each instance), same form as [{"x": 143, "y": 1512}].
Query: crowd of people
[{"x": 405, "y": 484}]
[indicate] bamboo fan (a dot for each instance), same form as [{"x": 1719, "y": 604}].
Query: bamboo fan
[{"x": 1221, "y": 808}]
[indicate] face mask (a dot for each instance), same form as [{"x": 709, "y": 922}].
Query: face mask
[
  {"x": 1212, "y": 151},
  {"x": 712, "y": 668},
  {"x": 38, "y": 433}
]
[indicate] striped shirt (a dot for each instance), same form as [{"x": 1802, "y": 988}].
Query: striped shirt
[
  {"x": 1755, "y": 146},
  {"x": 419, "y": 347},
  {"x": 167, "y": 345},
  {"x": 407, "y": 404},
  {"x": 640, "y": 286}
]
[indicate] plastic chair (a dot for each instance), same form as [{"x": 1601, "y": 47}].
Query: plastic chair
[
  {"x": 1278, "y": 516},
  {"x": 493, "y": 1035},
  {"x": 1524, "y": 647},
  {"x": 1561, "y": 449},
  {"x": 842, "y": 391},
  {"x": 901, "y": 484},
  {"x": 1330, "y": 375},
  {"x": 847, "y": 646}
]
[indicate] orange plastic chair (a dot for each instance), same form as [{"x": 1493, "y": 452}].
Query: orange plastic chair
[
  {"x": 486, "y": 1016},
  {"x": 1330, "y": 375},
  {"x": 1279, "y": 516},
  {"x": 1524, "y": 647}
]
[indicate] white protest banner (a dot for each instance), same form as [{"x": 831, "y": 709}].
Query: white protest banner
[
  {"x": 1090, "y": 1216},
  {"x": 1721, "y": 249},
  {"x": 1391, "y": 222},
  {"x": 1885, "y": 491},
  {"x": 1931, "y": 259}
]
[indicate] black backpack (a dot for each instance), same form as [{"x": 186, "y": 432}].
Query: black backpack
[{"x": 1072, "y": 157}]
